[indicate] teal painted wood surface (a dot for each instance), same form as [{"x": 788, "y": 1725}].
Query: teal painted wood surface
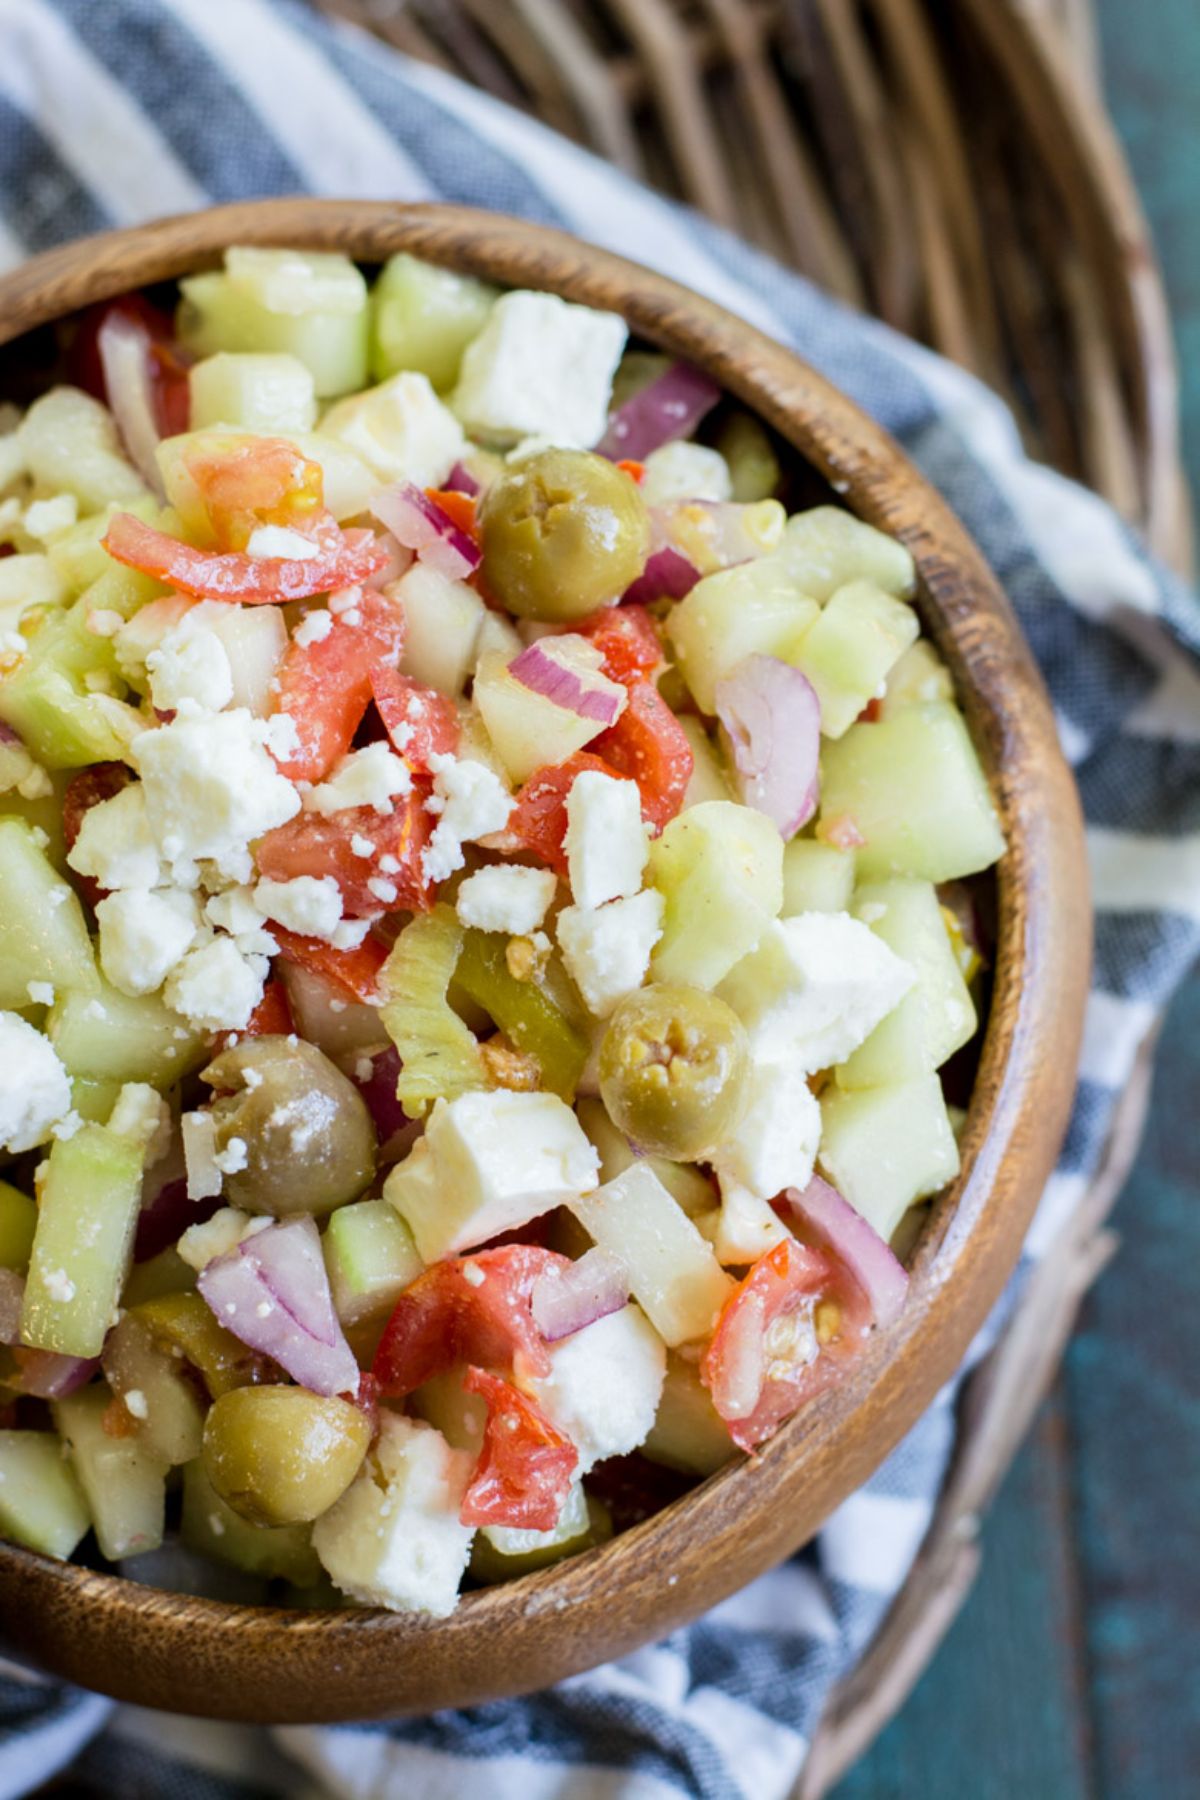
[{"x": 1073, "y": 1672}]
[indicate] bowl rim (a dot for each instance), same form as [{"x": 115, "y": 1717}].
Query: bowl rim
[{"x": 358, "y": 1664}]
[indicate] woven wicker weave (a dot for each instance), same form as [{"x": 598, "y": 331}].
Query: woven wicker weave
[{"x": 947, "y": 164}]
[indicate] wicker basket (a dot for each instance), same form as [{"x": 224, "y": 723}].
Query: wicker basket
[{"x": 947, "y": 164}]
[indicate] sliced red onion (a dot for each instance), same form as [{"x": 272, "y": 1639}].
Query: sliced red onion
[
  {"x": 165, "y": 1218},
  {"x": 669, "y": 407},
  {"x": 272, "y": 1292},
  {"x": 418, "y": 523},
  {"x": 378, "y": 1089},
  {"x": 461, "y": 481},
  {"x": 125, "y": 356},
  {"x": 44, "y": 1375},
  {"x": 668, "y": 575},
  {"x": 551, "y": 669},
  {"x": 836, "y": 1226},
  {"x": 564, "y": 1300},
  {"x": 772, "y": 718}
]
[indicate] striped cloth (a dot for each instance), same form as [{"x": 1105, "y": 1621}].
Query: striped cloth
[{"x": 113, "y": 112}]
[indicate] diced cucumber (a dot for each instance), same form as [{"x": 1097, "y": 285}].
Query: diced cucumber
[
  {"x": 918, "y": 677},
  {"x": 826, "y": 547},
  {"x": 45, "y": 813},
  {"x": 42, "y": 932},
  {"x": 349, "y": 483},
  {"x": 119, "y": 1037},
  {"x": 260, "y": 393},
  {"x": 500, "y": 1552},
  {"x": 170, "y": 1420},
  {"x": 297, "y": 281},
  {"x": 444, "y": 620},
  {"x": 87, "y": 1210},
  {"x": 166, "y": 1273},
  {"x": 217, "y": 313},
  {"x": 208, "y": 1525},
  {"x": 18, "y": 1217},
  {"x": 688, "y": 1432},
  {"x": 527, "y": 729},
  {"x": 719, "y": 867},
  {"x": 423, "y": 318},
  {"x": 124, "y": 1484},
  {"x": 46, "y": 698},
  {"x": 708, "y": 775},
  {"x": 914, "y": 789},
  {"x": 936, "y": 1016},
  {"x": 753, "y": 607},
  {"x": 370, "y": 1258},
  {"x": 27, "y": 581},
  {"x": 93, "y": 1097},
  {"x": 850, "y": 648},
  {"x": 77, "y": 553},
  {"x": 753, "y": 464},
  {"x": 693, "y": 1191},
  {"x": 816, "y": 877},
  {"x": 885, "y": 1147},
  {"x": 70, "y": 443},
  {"x": 41, "y": 1503}
]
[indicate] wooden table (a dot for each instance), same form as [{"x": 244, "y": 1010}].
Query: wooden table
[{"x": 1073, "y": 1672}]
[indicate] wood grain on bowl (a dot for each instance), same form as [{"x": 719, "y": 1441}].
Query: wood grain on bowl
[{"x": 202, "y": 1656}]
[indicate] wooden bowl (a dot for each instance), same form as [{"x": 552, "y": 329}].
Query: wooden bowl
[{"x": 266, "y": 1664}]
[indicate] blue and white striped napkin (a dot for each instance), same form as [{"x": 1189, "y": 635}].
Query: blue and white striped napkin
[{"x": 114, "y": 111}]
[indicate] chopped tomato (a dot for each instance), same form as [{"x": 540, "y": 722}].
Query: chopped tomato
[
  {"x": 312, "y": 845},
  {"x": 648, "y": 744},
  {"x": 272, "y": 1017},
  {"x": 627, "y": 639},
  {"x": 325, "y": 686},
  {"x": 168, "y": 364},
  {"x": 172, "y": 390},
  {"x": 788, "y": 1333},
  {"x": 246, "y": 481},
  {"x": 342, "y": 558},
  {"x": 525, "y": 1467},
  {"x": 870, "y": 712},
  {"x": 420, "y": 722},
  {"x": 635, "y": 470},
  {"x": 472, "y": 1309},
  {"x": 539, "y": 817},
  {"x": 355, "y": 972},
  {"x": 93, "y": 785},
  {"x": 458, "y": 507}
]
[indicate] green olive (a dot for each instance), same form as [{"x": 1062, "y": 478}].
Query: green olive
[
  {"x": 564, "y": 532},
  {"x": 309, "y": 1144},
  {"x": 673, "y": 1069},
  {"x": 280, "y": 1455}
]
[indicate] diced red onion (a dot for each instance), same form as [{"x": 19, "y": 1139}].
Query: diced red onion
[
  {"x": 772, "y": 717},
  {"x": 378, "y": 1089},
  {"x": 8, "y": 736},
  {"x": 461, "y": 481},
  {"x": 272, "y": 1292},
  {"x": 418, "y": 523},
  {"x": 544, "y": 672},
  {"x": 668, "y": 575},
  {"x": 669, "y": 407},
  {"x": 836, "y": 1226},
  {"x": 44, "y": 1375},
  {"x": 163, "y": 1221},
  {"x": 564, "y": 1300},
  {"x": 125, "y": 356}
]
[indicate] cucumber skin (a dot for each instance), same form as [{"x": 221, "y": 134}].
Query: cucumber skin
[{"x": 43, "y": 936}]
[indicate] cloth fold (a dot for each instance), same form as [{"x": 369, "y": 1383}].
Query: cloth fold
[{"x": 115, "y": 113}]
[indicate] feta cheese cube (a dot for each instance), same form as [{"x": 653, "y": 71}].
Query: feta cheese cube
[
  {"x": 607, "y": 951},
  {"x": 491, "y": 1162},
  {"x": 236, "y": 911},
  {"x": 540, "y": 367},
  {"x": 470, "y": 802},
  {"x": 191, "y": 665},
  {"x": 814, "y": 987},
  {"x": 685, "y": 471},
  {"x": 884, "y": 1148},
  {"x": 116, "y": 845},
  {"x": 369, "y": 777},
  {"x": 394, "y": 1538},
  {"x": 141, "y": 635},
  {"x": 604, "y": 1386},
  {"x": 307, "y": 905},
  {"x": 506, "y": 897},
  {"x": 210, "y": 788},
  {"x": 742, "y": 1228},
  {"x": 35, "y": 1091},
  {"x": 401, "y": 430},
  {"x": 775, "y": 1144},
  {"x": 216, "y": 987},
  {"x": 143, "y": 934},
  {"x": 606, "y": 841}
]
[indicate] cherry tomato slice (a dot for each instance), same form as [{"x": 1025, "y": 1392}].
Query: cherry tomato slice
[
  {"x": 342, "y": 558},
  {"x": 420, "y": 722},
  {"x": 628, "y": 640},
  {"x": 649, "y": 745},
  {"x": 458, "y": 507},
  {"x": 525, "y": 1468},
  {"x": 245, "y": 482},
  {"x": 355, "y": 972},
  {"x": 312, "y": 845},
  {"x": 539, "y": 817},
  {"x": 325, "y": 686}
]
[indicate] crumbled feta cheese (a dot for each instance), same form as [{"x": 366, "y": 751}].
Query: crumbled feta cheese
[
  {"x": 400, "y": 429},
  {"x": 143, "y": 934},
  {"x": 606, "y": 842},
  {"x": 59, "y": 1286},
  {"x": 775, "y": 1144},
  {"x": 469, "y": 802},
  {"x": 45, "y": 519},
  {"x": 307, "y": 905},
  {"x": 35, "y": 1091},
  {"x": 200, "y": 1244},
  {"x": 234, "y": 1157},
  {"x": 103, "y": 622},
  {"x": 313, "y": 628},
  {"x": 742, "y": 1228},
  {"x": 36, "y": 785},
  {"x": 607, "y": 949},
  {"x": 394, "y": 1538},
  {"x": 191, "y": 665},
  {"x": 540, "y": 367},
  {"x": 199, "y": 1132},
  {"x": 281, "y": 540},
  {"x": 685, "y": 471},
  {"x": 67, "y": 1126},
  {"x": 216, "y": 987},
  {"x": 144, "y": 632},
  {"x": 369, "y": 777},
  {"x": 135, "y": 1403},
  {"x": 361, "y": 846},
  {"x": 814, "y": 988},
  {"x": 236, "y": 911},
  {"x": 350, "y": 934},
  {"x": 506, "y": 897},
  {"x": 490, "y": 1162},
  {"x": 605, "y": 1384},
  {"x": 142, "y": 1115},
  {"x": 384, "y": 891},
  {"x": 40, "y": 992},
  {"x": 210, "y": 788},
  {"x": 281, "y": 735},
  {"x": 116, "y": 845}
]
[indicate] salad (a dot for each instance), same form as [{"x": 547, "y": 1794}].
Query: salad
[{"x": 485, "y": 912}]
